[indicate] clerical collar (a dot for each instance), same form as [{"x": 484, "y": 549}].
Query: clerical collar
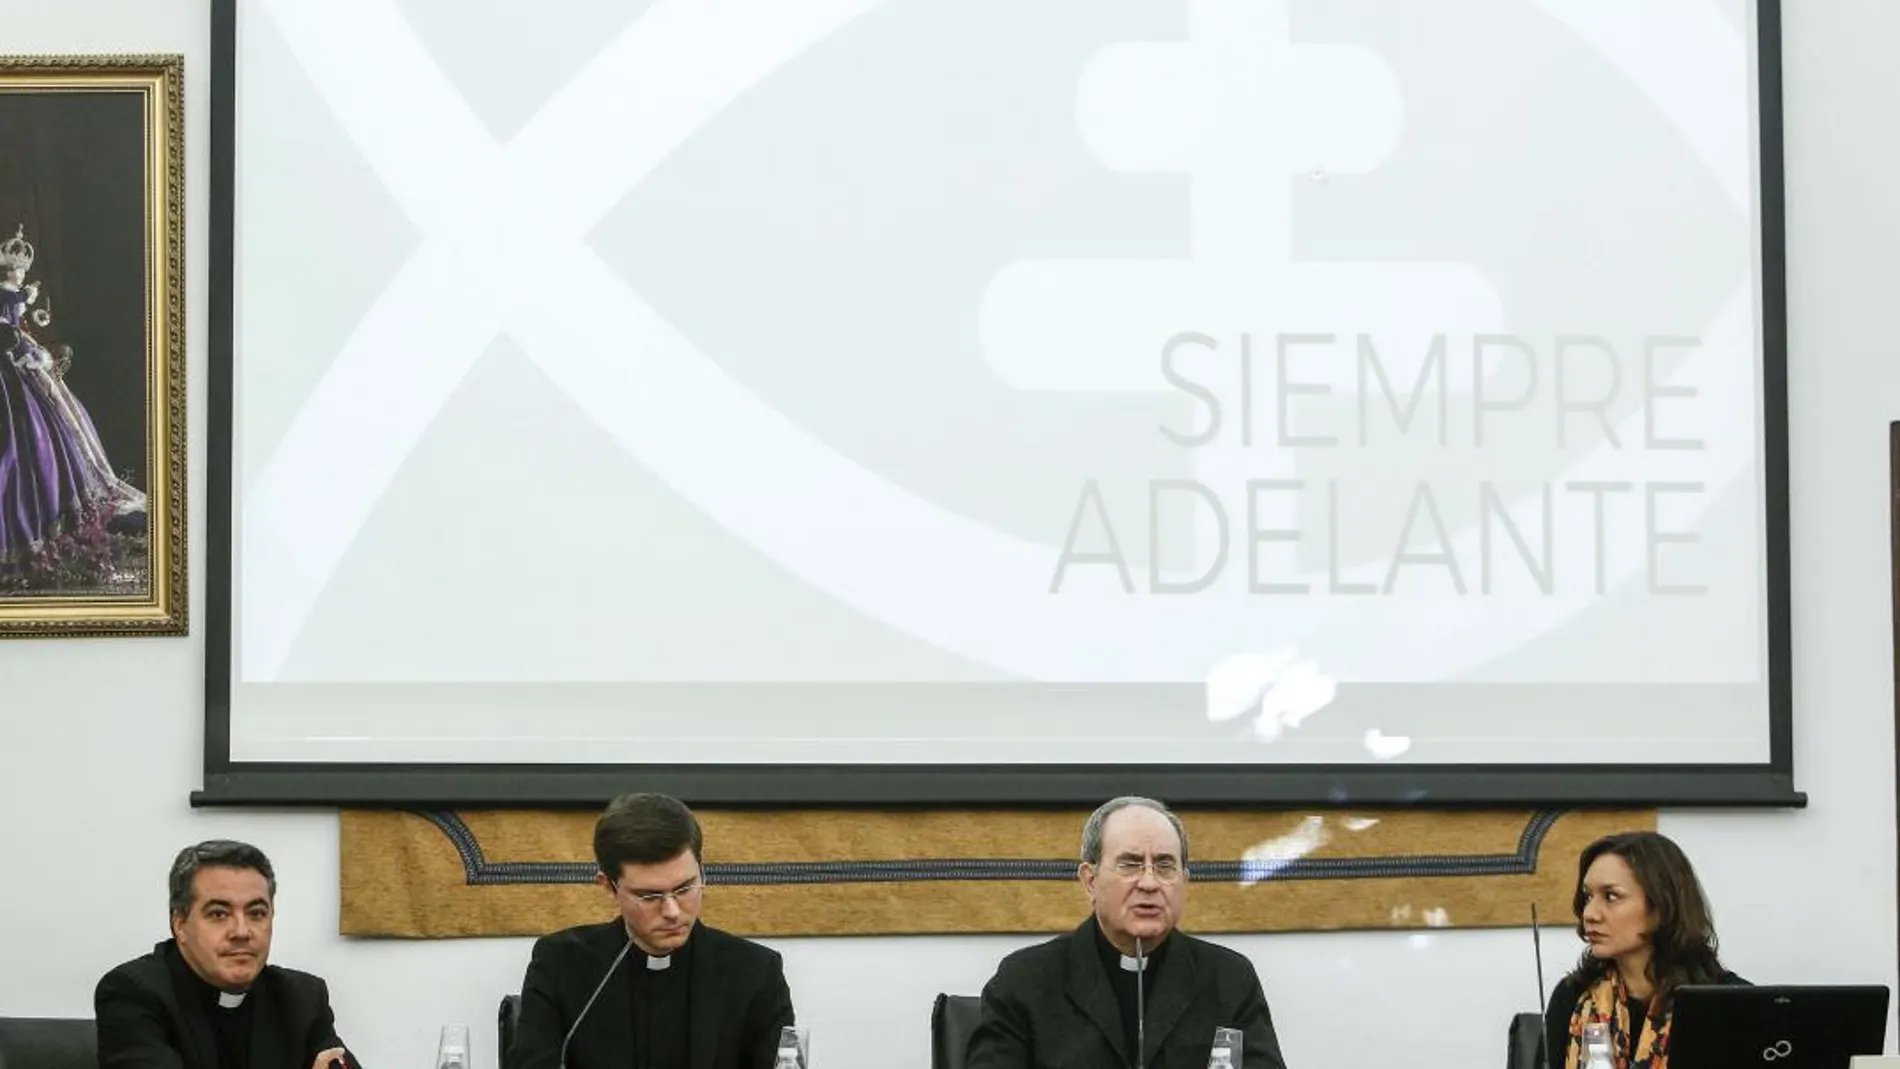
[
  {"x": 1117, "y": 962},
  {"x": 207, "y": 994},
  {"x": 658, "y": 963}
]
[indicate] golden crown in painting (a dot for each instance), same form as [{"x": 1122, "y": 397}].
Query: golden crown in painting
[{"x": 16, "y": 251}]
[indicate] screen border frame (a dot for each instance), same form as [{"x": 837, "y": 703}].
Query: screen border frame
[{"x": 230, "y": 783}]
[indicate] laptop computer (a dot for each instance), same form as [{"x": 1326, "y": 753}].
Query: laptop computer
[{"x": 1776, "y": 1027}]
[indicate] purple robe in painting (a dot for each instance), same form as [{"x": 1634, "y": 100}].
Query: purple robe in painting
[{"x": 52, "y": 465}]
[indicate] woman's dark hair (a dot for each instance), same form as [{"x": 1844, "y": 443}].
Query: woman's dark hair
[
  {"x": 644, "y": 829},
  {"x": 1682, "y": 947}
]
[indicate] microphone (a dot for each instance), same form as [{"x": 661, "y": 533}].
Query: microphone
[
  {"x": 1141, "y": 1009},
  {"x": 598, "y": 988},
  {"x": 1537, "y": 947}
]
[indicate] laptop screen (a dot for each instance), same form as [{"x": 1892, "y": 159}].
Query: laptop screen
[{"x": 1777, "y": 1027}]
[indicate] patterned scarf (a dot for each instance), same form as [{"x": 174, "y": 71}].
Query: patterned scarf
[{"x": 1608, "y": 1000}]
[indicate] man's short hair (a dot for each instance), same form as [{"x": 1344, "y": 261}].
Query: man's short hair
[
  {"x": 644, "y": 829},
  {"x": 214, "y": 854},
  {"x": 1092, "y": 831}
]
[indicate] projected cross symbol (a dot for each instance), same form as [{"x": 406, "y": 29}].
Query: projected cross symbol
[
  {"x": 1241, "y": 110},
  {"x": 488, "y": 213}
]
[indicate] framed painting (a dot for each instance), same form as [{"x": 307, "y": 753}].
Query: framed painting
[{"x": 92, "y": 346}]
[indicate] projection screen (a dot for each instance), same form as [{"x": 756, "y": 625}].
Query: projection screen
[{"x": 937, "y": 400}]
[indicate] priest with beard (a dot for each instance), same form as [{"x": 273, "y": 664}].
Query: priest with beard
[{"x": 1074, "y": 1000}]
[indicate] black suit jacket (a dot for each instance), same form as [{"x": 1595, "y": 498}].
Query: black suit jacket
[
  {"x": 146, "y": 1021},
  {"x": 739, "y": 1002},
  {"x": 1051, "y": 1007}
]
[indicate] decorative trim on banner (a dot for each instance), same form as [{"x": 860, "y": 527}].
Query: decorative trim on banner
[{"x": 482, "y": 872}]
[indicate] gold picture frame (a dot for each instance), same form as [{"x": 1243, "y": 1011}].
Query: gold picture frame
[{"x": 93, "y": 532}]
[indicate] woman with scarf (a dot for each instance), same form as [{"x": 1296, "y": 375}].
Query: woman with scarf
[{"x": 1642, "y": 913}]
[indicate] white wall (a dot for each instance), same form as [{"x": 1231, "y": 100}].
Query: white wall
[{"x": 99, "y": 740}]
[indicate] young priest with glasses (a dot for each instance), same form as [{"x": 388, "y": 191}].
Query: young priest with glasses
[{"x": 653, "y": 987}]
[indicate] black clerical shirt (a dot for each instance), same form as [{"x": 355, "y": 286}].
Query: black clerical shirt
[
  {"x": 230, "y": 1025},
  {"x": 1123, "y": 982},
  {"x": 660, "y": 1003}
]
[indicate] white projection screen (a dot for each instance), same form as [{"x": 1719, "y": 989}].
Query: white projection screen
[{"x": 866, "y": 401}]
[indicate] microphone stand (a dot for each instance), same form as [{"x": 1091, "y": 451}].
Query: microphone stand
[
  {"x": 1537, "y": 947},
  {"x": 598, "y": 988},
  {"x": 1141, "y": 1009}
]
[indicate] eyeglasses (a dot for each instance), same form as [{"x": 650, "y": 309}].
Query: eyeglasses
[
  {"x": 1166, "y": 869},
  {"x": 659, "y": 898}
]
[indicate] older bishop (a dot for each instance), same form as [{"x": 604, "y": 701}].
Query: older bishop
[{"x": 1074, "y": 1000}]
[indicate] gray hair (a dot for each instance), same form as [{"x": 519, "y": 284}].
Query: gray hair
[
  {"x": 1092, "y": 831},
  {"x": 214, "y": 854}
]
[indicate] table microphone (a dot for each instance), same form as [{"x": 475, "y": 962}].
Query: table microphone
[{"x": 598, "y": 988}]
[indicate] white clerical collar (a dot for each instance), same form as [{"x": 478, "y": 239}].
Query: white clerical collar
[
  {"x": 658, "y": 964},
  {"x": 1133, "y": 964},
  {"x": 231, "y": 1001}
]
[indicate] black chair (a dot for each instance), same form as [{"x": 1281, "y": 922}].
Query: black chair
[
  {"x": 507, "y": 1018},
  {"x": 48, "y": 1043},
  {"x": 952, "y": 1019},
  {"x": 1526, "y": 1050}
]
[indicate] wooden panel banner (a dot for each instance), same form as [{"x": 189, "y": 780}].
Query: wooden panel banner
[{"x": 443, "y": 875}]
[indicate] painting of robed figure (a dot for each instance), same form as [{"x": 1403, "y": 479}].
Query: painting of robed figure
[{"x": 92, "y": 428}]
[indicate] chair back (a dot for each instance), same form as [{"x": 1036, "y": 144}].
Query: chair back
[
  {"x": 1526, "y": 1050},
  {"x": 507, "y": 1018},
  {"x": 48, "y": 1043},
  {"x": 952, "y": 1019}
]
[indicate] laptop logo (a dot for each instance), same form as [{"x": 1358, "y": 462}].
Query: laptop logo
[{"x": 1781, "y": 1049}]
